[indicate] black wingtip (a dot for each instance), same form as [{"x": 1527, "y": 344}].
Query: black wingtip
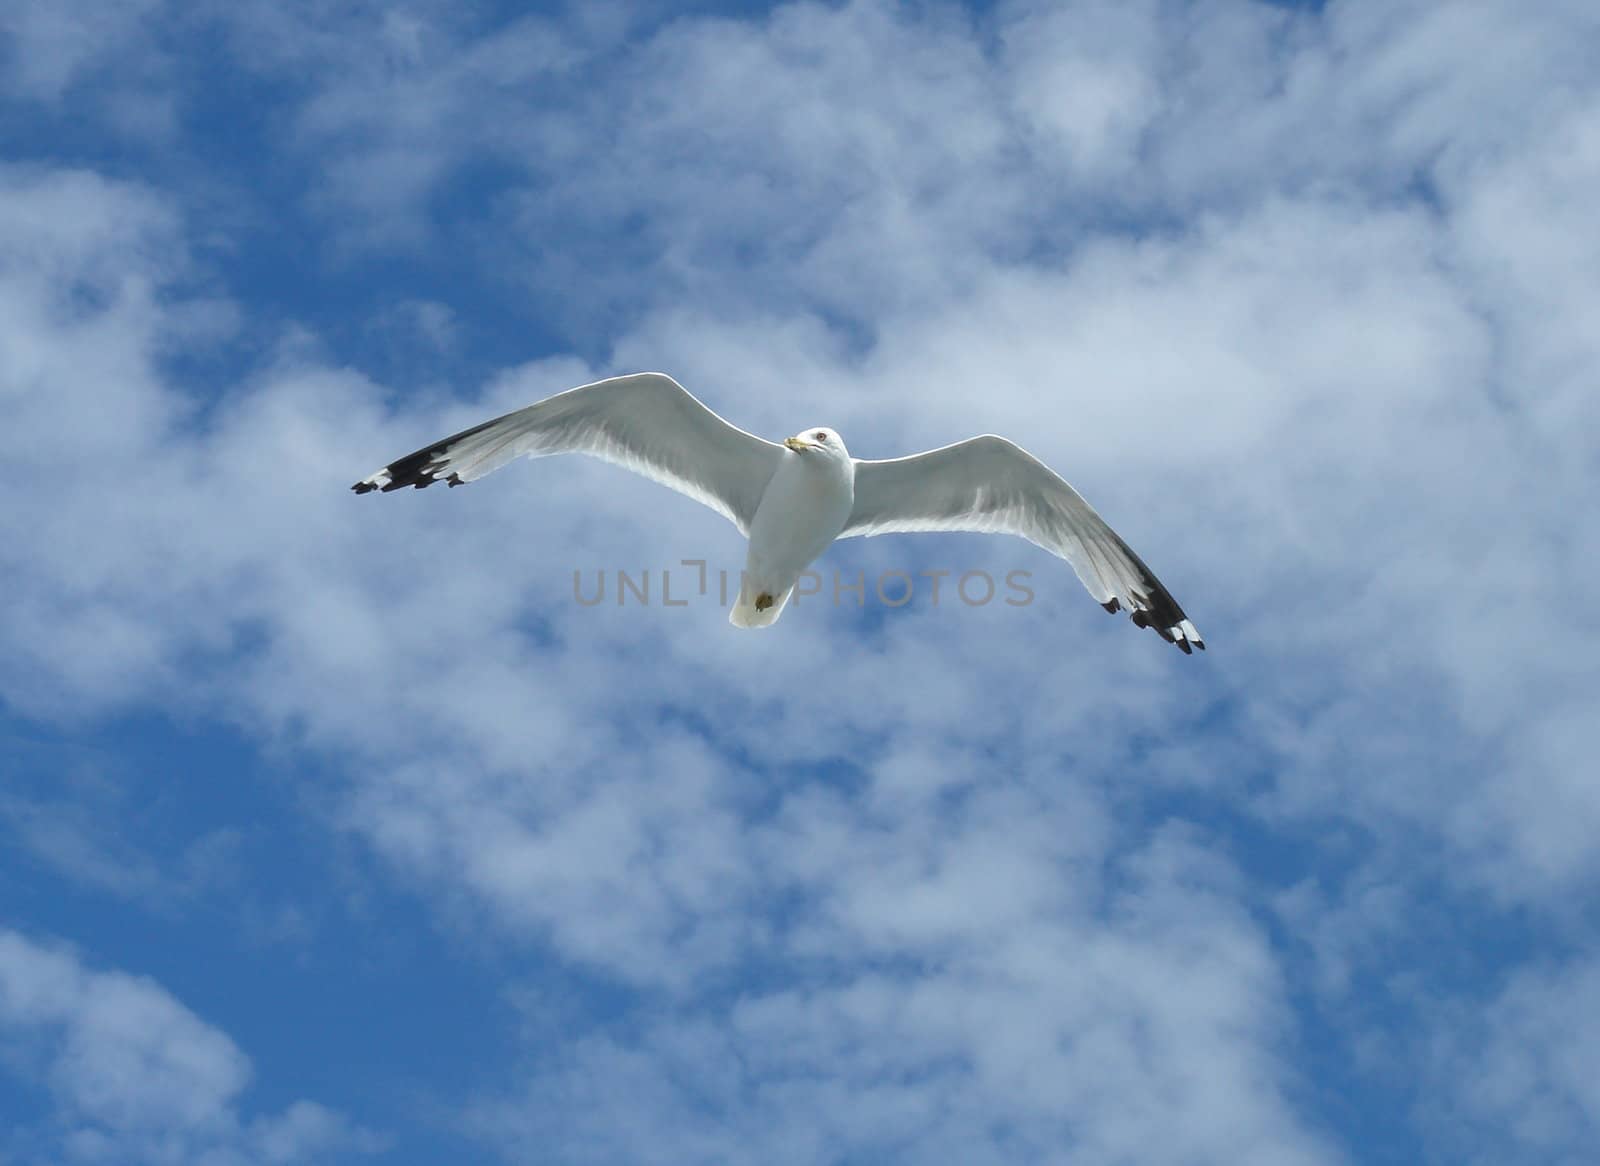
[
  {"x": 1113, "y": 605},
  {"x": 1154, "y": 607},
  {"x": 421, "y": 469}
]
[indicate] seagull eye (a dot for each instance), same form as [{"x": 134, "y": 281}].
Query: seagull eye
[{"x": 820, "y": 436}]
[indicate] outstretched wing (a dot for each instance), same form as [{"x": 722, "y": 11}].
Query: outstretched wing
[
  {"x": 646, "y": 422},
  {"x": 990, "y": 484}
]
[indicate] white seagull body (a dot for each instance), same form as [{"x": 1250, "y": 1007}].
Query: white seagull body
[{"x": 793, "y": 499}]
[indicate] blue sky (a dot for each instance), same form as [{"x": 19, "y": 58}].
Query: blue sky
[{"x": 334, "y": 830}]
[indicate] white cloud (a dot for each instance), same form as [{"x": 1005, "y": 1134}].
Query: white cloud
[
  {"x": 46, "y": 48},
  {"x": 1022, "y": 1015},
  {"x": 1085, "y": 82},
  {"x": 134, "y": 1075},
  {"x": 1521, "y": 1075}
]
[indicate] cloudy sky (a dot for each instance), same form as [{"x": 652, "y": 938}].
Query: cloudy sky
[{"x": 333, "y": 829}]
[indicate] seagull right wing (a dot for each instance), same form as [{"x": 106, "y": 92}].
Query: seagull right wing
[
  {"x": 990, "y": 484},
  {"x": 646, "y": 422}
]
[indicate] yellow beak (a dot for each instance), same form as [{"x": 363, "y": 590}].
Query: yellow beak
[{"x": 799, "y": 444}]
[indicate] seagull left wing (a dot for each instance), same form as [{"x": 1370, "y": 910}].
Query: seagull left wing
[
  {"x": 993, "y": 485},
  {"x": 646, "y": 422}
]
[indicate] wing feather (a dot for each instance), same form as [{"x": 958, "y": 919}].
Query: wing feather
[
  {"x": 646, "y": 422},
  {"x": 993, "y": 485}
]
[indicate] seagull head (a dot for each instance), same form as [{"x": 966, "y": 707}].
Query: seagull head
[{"x": 819, "y": 440}]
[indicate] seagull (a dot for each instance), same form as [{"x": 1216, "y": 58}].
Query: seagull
[{"x": 792, "y": 499}]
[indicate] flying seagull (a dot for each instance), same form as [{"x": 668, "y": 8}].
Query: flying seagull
[{"x": 793, "y": 498}]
